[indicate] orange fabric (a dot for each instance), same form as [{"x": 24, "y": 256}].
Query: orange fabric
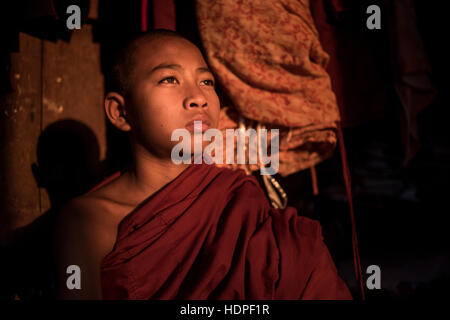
[
  {"x": 268, "y": 58},
  {"x": 211, "y": 234}
]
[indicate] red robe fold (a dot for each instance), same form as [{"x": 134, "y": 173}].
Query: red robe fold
[{"x": 211, "y": 234}]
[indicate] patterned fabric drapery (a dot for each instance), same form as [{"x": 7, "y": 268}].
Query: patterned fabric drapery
[{"x": 270, "y": 63}]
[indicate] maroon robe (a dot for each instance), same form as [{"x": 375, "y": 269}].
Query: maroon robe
[{"x": 212, "y": 234}]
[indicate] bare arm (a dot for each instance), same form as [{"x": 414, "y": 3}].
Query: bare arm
[{"x": 81, "y": 239}]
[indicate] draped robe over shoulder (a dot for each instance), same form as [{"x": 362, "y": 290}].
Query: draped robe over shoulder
[{"x": 211, "y": 234}]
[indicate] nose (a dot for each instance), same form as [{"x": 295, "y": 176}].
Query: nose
[{"x": 195, "y": 99}]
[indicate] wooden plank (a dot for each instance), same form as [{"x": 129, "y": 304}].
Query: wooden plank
[
  {"x": 73, "y": 88},
  {"x": 52, "y": 82},
  {"x": 20, "y": 119}
]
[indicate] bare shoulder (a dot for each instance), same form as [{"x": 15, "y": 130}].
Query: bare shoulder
[
  {"x": 83, "y": 213},
  {"x": 83, "y": 222},
  {"x": 82, "y": 207},
  {"x": 94, "y": 215},
  {"x": 102, "y": 208},
  {"x": 85, "y": 233}
]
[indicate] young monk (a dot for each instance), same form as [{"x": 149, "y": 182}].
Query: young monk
[{"x": 161, "y": 230}]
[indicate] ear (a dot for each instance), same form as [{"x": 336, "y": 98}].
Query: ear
[{"x": 115, "y": 111}]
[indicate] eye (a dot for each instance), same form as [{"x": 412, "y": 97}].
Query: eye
[
  {"x": 209, "y": 82},
  {"x": 169, "y": 80}
]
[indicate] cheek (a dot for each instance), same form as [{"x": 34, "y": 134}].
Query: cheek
[
  {"x": 215, "y": 108},
  {"x": 164, "y": 121},
  {"x": 158, "y": 109}
]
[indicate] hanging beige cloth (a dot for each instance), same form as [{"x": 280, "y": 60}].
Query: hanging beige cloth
[{"x": 269, "y": 61}]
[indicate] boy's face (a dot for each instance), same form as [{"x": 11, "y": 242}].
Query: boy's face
[{"x": 170, "y": 85}]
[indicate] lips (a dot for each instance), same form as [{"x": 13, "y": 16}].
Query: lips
[{"x": 205, "y": 123}]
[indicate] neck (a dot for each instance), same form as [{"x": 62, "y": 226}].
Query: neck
[{"x": 150, "y": 173}]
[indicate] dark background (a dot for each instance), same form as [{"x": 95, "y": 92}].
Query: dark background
[{"x": 401, "y": 208}]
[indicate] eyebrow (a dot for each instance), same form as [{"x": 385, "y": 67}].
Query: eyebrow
[{"x": 177, "y": 66}]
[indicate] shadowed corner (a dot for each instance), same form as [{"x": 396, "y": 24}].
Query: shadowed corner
[{"x": 68, "y": 166}]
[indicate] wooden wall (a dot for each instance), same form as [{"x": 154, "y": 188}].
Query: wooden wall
[{"x": 51, "y": 81}]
